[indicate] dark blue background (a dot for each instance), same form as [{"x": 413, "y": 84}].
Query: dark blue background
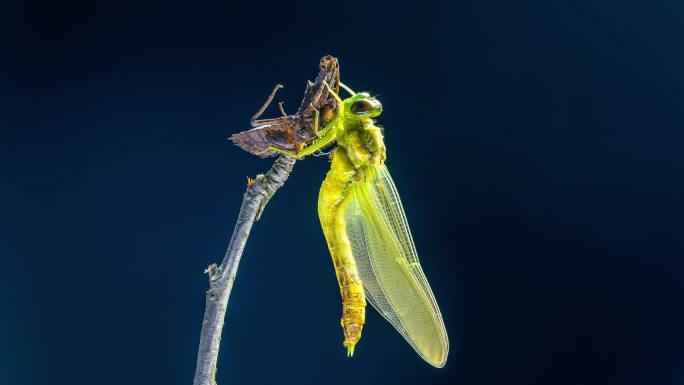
[{"x": 537, "y": 146}]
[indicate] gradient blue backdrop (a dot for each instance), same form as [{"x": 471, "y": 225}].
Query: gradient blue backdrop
[{"x": 537, "y": 146}]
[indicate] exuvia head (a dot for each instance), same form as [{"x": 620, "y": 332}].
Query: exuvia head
[{"x": 363, "y": 105}]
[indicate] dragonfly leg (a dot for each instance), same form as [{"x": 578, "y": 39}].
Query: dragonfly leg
[
  {"x": 324, "y": 131},
  {"x": 302, "y": 151},
  {"x": 281, "y": 151},
  {"x": 346, "y": 88},
  {"x": 267, "y": 102},
  {"x": 332, "y": 92},
  {"x": 317, "y": 115},
  {"x": 313, "y": 147}
]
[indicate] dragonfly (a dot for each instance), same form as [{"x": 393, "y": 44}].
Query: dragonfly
[{"x": 367, "y": 233}]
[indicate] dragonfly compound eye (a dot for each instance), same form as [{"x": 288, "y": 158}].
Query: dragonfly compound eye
[{"x": 362, "y": 106}]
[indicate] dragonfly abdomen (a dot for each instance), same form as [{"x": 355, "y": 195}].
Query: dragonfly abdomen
[{"x": 332, "y": 200}]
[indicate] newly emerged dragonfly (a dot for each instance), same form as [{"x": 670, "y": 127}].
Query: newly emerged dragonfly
[{"x": 367, "y": 233}]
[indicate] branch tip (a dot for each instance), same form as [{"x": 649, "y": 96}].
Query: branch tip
[{"x": 211, "y": 270}]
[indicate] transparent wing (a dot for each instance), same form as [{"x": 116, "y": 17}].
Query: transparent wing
[{"x": 387, "y": 262}]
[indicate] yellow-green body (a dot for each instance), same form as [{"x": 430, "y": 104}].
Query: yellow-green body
[
  {"x": 357, "y": 146},
  {"x": 368, "y": 236}
]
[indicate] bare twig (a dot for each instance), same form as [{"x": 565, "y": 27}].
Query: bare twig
[
  {"x": 221, "y": 277},
  {"x": 287, "y": 132}
]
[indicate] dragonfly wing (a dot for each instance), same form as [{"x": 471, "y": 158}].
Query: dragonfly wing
[{"x": 388, "y": 265}]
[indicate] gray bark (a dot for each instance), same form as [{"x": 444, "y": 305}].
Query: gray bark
[{"x": 221, "y": 277}]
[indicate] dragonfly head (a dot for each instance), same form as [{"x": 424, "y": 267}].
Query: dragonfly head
[{"x": 363, "y": 105}]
